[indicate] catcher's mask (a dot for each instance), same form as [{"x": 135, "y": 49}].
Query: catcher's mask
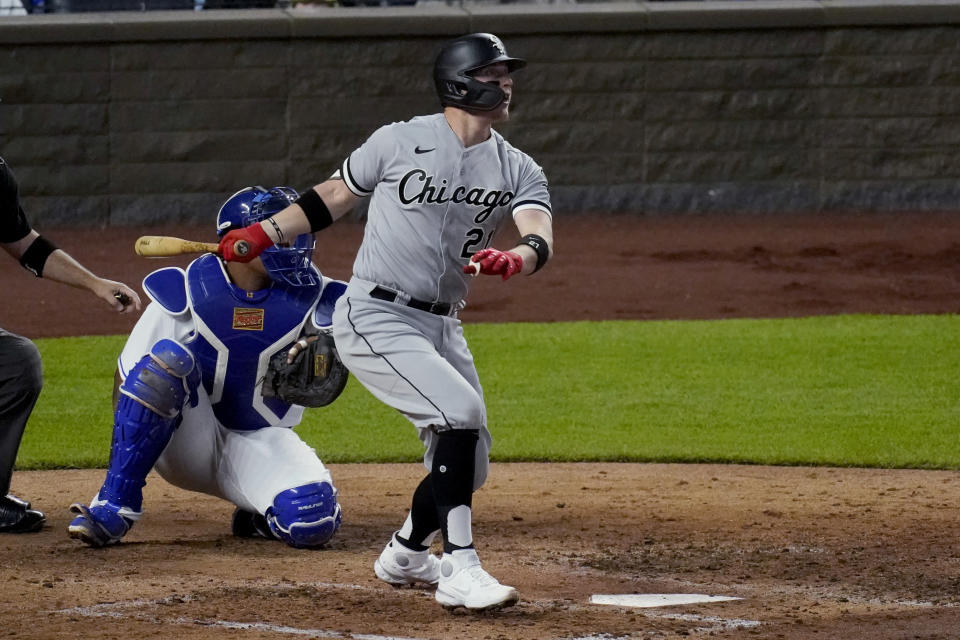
[
  {"x": 462, "y": 57},
  {"x": 289, "y": 262}
]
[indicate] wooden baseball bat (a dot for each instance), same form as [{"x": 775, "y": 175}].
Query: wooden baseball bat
[{"x": 165, "y": 246}]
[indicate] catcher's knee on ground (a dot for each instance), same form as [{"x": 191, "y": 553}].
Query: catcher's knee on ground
[{"x": 305, "y": 516}]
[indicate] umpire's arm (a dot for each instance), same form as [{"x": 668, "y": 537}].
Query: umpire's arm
[{"x": 60, "y": 266}]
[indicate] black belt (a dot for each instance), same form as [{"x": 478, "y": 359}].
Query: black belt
[{"x": 438, "y": 308}]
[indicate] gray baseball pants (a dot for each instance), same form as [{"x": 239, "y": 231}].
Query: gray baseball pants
[{"x": 21, "y": 378}]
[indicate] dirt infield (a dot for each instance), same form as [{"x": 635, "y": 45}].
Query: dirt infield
[{"x": 807, "y": 552}]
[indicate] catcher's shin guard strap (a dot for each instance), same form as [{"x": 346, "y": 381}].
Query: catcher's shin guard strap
[
  {"x": 538, "y": 244},
  {"x": 36, "y": 255},
  {"x": 318, "y": 215}
]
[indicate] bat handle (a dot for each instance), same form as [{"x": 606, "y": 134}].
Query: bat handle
[{"x": 241, "y": 247}]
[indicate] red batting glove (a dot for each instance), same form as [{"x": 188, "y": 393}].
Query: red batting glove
[
  {"x": 253, "y": 237},
  {"x": 495, "y": 262}
]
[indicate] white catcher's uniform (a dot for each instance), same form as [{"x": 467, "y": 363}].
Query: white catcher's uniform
[
  {"x": 434, "y": 204},
  {"x": 233, "y": 444}
]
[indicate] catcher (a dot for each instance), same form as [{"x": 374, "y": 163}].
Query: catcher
[{"x": 213, "y": 378}]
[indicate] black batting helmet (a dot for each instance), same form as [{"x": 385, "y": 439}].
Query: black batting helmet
[{"x": 456, "y": 63}]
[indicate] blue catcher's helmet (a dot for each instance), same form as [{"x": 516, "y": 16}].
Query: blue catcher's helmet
[{"x": 289, "y": 262}]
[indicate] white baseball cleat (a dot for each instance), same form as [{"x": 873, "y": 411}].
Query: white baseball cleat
[
  {"x": 464, "y": 583},
  {"x": 398, "y": 565}
]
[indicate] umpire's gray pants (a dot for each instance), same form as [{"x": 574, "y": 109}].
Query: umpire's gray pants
[{"x": 21, "y": 378}]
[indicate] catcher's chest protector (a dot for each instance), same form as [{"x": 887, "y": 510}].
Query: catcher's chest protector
[{"x": 237, "y": 332}]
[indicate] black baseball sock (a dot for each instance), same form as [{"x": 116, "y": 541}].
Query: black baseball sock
[
  {"x": 452, "y": 474},
  {"x": 423, "y": 516}
]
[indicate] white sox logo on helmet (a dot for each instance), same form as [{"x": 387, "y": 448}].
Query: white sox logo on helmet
[{"x": 417, "y": 186}]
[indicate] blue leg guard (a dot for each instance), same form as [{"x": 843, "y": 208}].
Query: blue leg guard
[
  {"x": 147, "y": 413},
  {"x": 306, "y": 516}
]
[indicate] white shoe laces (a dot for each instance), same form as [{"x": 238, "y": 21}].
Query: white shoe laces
[{"x": 482, "y": 577}]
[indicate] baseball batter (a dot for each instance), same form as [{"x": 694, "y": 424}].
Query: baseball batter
[
  {"x": 192, "y": 401},
  {"x": 440, "y": 187}
]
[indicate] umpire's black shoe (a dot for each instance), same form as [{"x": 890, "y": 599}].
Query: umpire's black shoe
[
  {"x": 250, "y": 525},
  {"x": 16, "y": 516}
]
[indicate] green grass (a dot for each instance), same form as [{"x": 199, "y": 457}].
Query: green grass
[{"x": 879, "y": 391}]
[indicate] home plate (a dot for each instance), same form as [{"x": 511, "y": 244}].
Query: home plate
[{"x": 655, "y": 599}]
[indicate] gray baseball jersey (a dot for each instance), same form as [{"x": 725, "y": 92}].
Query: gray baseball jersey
[{"x": 435, "y": 203}]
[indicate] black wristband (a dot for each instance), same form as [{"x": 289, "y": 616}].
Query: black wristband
[
  {"x": 315, "y": 209},
  {"x": 538, "y": 244},
  {"x": 276, "y": 227},
  {"x": 36, "y": 255}
]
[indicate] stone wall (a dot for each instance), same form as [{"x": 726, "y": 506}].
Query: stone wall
[{"x": 656, "y": 108}]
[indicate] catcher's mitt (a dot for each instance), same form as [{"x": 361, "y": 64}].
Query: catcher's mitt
[{"x": 314, "y": 379}]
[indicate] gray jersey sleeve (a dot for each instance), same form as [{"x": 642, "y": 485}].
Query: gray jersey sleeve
[
  {"x": 363, "y": 169},
  {"x": 532, "y": 191}
]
